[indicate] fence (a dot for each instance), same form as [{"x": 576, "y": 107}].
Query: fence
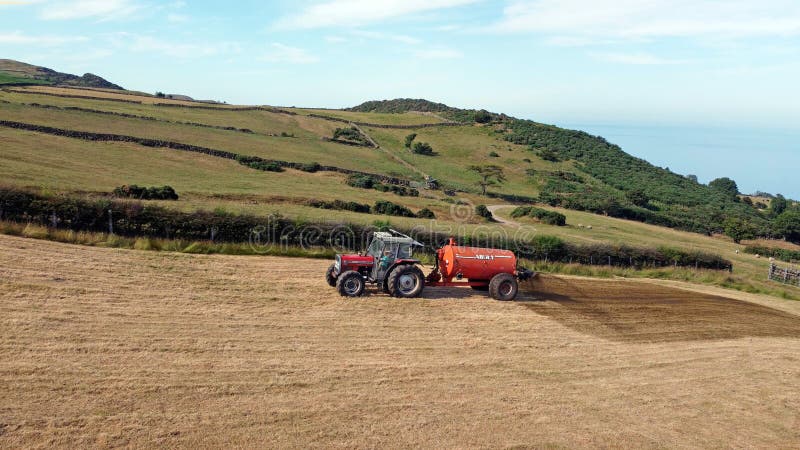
[{"x": 784, "y": 275}]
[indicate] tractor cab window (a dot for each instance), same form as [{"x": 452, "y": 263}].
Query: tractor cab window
[
  {"x": 404, "y": 251},
  {"x": 375, "y": 249}
]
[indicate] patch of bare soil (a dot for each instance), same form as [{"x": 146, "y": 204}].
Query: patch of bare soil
[{"x": 637, "y": 312}]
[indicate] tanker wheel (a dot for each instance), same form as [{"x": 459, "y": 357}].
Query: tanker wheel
[
  {"x": 350, "y": 284},
  {"x": 406, "y": 281},
  {"x": 503, "y": 287},
  {"x": 329, "y": 276}
]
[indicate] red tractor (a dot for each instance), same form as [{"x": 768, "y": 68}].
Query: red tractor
[{"x": 388, "y": 263}]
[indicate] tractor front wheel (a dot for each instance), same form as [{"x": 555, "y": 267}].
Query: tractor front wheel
[
  {"x": 350, "y": 284},
  {"x": 406, "y": 281},
  {"x": 329, "y": 277},
  {"x": 503, "y": 287}
]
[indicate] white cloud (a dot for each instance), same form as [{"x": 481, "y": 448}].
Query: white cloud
[
  {"x": 652, "y": 18},
  {"x": 19, "y": 38},
  {"x": 439, "y": 53},
  {"x": 637, "y": 59},
  {"x": 387, "y": 37},
  {"x": 333, "y": 13},
  {"x": 149, "y": 44},
  {"x": 279, "y": 53},
  {"x": 89, "y": 9}
]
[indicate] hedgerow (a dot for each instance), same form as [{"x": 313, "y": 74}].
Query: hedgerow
[
  {"x": 145, "y": 193},
  {"x": 137, "y": 219}
]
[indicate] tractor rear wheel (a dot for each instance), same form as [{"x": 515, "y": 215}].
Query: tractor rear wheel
[
  {"x": 350, "y": 284},
  {"x": 503, "y": 287},
  {"x": 329, "y": 276},
  {"x": 406, "y": 281}
]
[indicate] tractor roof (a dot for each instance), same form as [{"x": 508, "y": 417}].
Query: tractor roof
[{"x": 389, "y": 237}]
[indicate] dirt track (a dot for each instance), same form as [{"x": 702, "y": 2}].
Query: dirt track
[{"x": 107, "y": 347}]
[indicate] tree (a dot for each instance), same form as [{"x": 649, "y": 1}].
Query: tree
[
  {"x": 788, "y": 225},
  {"x": 410, "y": 138},
  {"x": 726, "y": 186},
  {"x": 491, "y": 175},
  {"x": 160, "y": 94},
  {"x": 738, "y": 229},
  {"x": 692, "y": 178},
  {"x": 638, "y": 197},
  {"x": 778, "y": 205}
]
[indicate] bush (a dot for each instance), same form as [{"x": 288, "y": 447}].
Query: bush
[
  {"x": 483, "y": 116},
  {"x": 409, "y": 139},
  {"x": 638, "y": 197},
  {"x": 350, "y": 135},
  {"x": 392, "y": 209},
  {"x": 422, "y": 148},
  {"x": 548, "y": 155},
  {"x": 543, "y": 215},
  {"x": 254, "y": 162},
  {"x": 426, "y": 213},
  {"x": 493, "y": 155},
  {"x": 310, "y": 167},
  {"x": 339, "y": 205},
  {"x": 368, "y": 182},
  {"x": 145, "y": 193},
  {"x": 483, "y": 211},
  {"x": 361, "y": 181}
]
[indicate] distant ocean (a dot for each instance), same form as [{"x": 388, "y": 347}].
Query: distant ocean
[{"x": 757, "y": 159}]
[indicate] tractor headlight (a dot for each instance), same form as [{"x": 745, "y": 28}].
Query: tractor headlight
[{"x": 337, "y": 266}]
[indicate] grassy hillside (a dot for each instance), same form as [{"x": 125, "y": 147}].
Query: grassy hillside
[
  {"x": 580, "y": 172},
  {"x": 8, "y": 78},
  {"x": 43, "y": 75}
]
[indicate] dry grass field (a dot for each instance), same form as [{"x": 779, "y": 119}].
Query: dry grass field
[{"x": 102, "y": 347}]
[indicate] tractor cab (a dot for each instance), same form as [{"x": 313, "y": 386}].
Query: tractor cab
[
  {"x": 388, "y": 253},
  {"x": 388, "y": 250}
]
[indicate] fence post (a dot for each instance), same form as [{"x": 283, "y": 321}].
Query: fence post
[
  {"x": 110, "y": 223},
  {"x": 771, "y": 271}
]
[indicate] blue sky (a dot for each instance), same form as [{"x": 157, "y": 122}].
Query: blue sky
[{"x": 718, "y": 64}]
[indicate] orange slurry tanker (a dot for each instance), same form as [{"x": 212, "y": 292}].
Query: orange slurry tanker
[{"x": 388, "y": 263}]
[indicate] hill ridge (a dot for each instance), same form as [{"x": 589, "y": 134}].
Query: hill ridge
[{"x": 29, "y": 71}]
